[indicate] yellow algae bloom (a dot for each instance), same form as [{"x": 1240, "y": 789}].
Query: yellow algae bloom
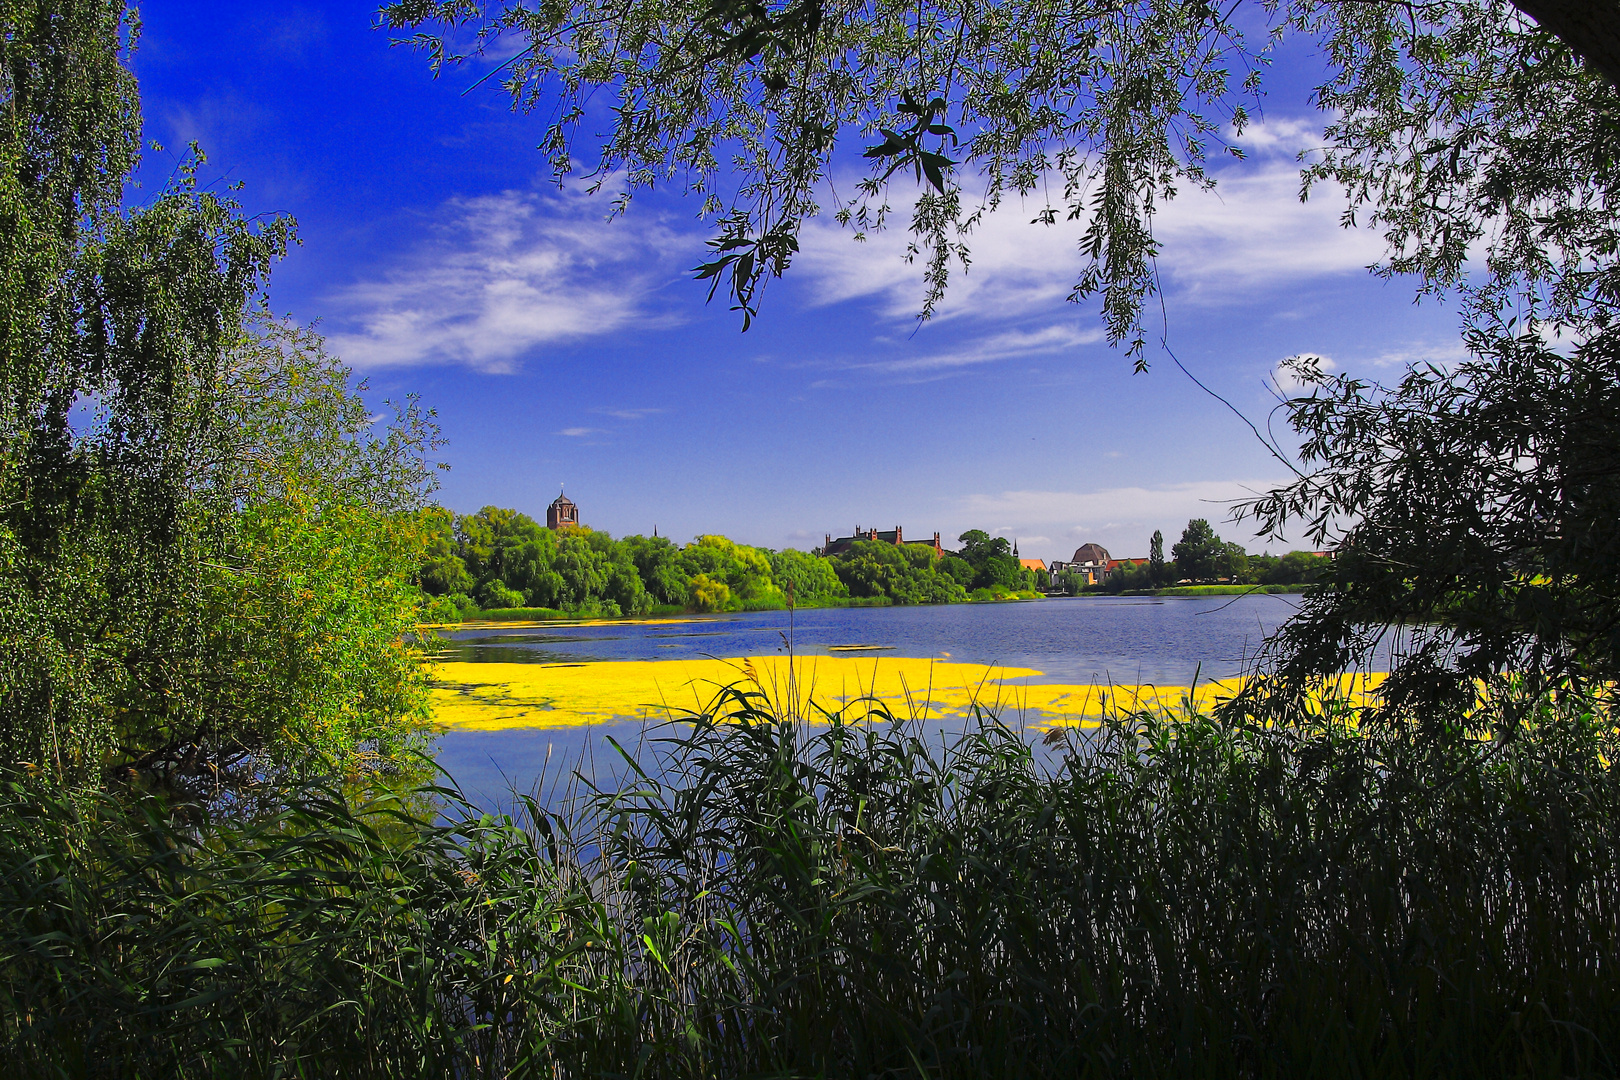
[{"x": 494, "y": 696}]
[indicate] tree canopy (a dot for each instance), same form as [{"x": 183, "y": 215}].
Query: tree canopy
[
  {"x": 1198, "y": 554},
  {"x": 500, "y": 558},
  {"x": 206, "y": 555},
  {"x": 1453, "y": 125}
]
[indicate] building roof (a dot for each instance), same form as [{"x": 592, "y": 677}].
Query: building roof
[
  {"x": 1032, "y": 564},
  {"x": 1091, "y": 553},
  {"x": 561, "y": 500}
]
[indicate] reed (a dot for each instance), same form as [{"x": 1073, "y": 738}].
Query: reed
[{"x": 1176, "y": 896}]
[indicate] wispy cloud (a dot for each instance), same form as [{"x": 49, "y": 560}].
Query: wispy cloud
[
  {"x": 1251, "y": 232},
  {"x": 1016, "y": 268},
  {"x": 579, "y": 432},
  {"x": 1442, "y": 355},
  {"x": 504, "y": 276},
  {"x": 989, "y": 348},
  {"x": 629, "y": 414}
]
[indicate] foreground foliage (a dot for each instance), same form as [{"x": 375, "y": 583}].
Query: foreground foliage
[
  {"x": 1483, "y": 502},
  {"x": 1200, "y": 897},
  {"x": 207, "y": 549}
]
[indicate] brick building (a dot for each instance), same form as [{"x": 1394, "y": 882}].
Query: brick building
[
  {"x": 562, "y": 512},
  {"x": 896, "y": 536}
]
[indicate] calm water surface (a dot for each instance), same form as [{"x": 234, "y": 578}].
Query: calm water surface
[
  {"x": 1089, "y": 639},
  {"x": 1161, "y": 640}
]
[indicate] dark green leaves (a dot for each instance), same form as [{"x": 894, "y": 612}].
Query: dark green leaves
[
  {"x": 907, "y": 148},
  {"x": 743, "y": 30},
  {"x": 1478, "y": 510},
  {"x": 746, "y": 261}
]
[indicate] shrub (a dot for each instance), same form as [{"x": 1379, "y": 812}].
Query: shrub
[
  {"x": 495, "y": 594},
  {"x": 708, "y": 594}
]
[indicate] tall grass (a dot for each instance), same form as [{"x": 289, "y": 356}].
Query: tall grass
[{"x": 1185, "y": 896}]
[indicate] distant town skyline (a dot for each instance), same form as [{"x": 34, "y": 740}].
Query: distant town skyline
[{"x": 553, "y": 342}]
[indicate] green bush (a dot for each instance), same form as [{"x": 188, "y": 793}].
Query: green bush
[
  {"x": 813, "y": 580},
  {"x": 900, "y": 573},
  {"x": 440, "y": 609},
  {"x": 494, "y": 595}
]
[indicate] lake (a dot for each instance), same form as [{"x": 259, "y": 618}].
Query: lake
[
  {"x": 1084, "y": 639},
  {"x": 1163, "y": 641}
]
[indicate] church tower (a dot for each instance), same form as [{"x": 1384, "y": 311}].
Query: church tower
[{"x": 561, "y": 512}]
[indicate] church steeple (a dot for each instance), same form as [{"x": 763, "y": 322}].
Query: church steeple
[
  {"x": 1015, "y": 548},
  {"x": 562, "y": 511}
]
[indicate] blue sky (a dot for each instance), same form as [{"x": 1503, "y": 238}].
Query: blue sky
[{"x": 557, "y": 346}]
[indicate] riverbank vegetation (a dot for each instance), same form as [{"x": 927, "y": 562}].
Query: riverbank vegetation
[
  {"x": 1202, "y": 563},
  {"x": 1178, "y": 895}
]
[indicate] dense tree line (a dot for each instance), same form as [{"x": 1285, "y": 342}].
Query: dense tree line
[
  {"x": 498, "y": 558},
  {"x": 502, "y": 559}
]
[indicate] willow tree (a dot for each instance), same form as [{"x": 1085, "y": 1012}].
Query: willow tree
[
  {"x": 1481, "y": 144},
  {"x": 166, "y": 454}
]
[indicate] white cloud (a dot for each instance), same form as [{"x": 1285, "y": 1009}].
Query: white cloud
[
  {"x": 503, "y": 276},
  {"x": 1016, "y": 267},
  {"x": 1280, "y": 136},
  {"x": 1251, "y": 233},
  {"x": 579, "y": 432}
]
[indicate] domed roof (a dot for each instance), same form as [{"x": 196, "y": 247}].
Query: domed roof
[
  {"x": 1091, "y": 553},
  {"x": 562, "y": 500}
]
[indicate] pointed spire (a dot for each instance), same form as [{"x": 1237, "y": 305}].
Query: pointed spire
[
  {"x": 655, "y": 530},
  {"x": 1015, "y": 547}
]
